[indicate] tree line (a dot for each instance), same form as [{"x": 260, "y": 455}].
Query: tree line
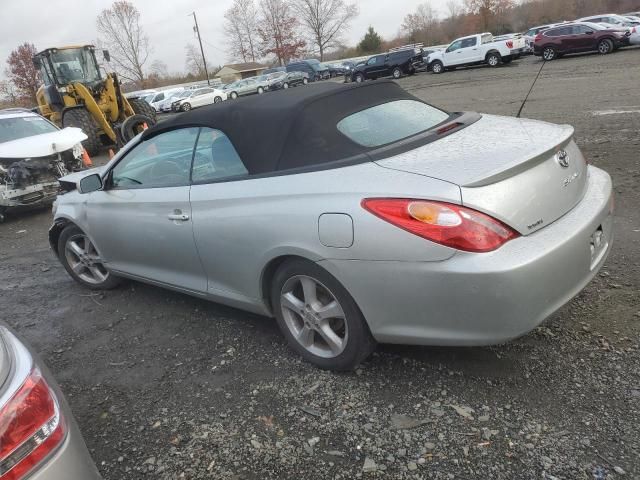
[{"x": 277, "y": 31}]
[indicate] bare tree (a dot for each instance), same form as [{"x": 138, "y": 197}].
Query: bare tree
[
  {"x": 325, "y": 21},
  {"x": 240, "y": 27},
  {"x": 420, "y": 24},
  {"x": 159, "y": 68},
  {"x": 277, "y": 30},
  {"x": 193, "y": 61},
  {"x": 120, "y": 30}
]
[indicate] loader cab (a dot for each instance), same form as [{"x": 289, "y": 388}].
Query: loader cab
[{"x": 62, "y": 66}]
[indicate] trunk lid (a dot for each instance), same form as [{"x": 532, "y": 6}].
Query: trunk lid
[{"x": 512, "y": 169}]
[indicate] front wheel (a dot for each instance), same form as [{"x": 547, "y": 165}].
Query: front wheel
[
  {"x": 549, "y": 53},
  {"x": 185, "y": 107},
  {"x": 234, "y": 95},
  {"x": 359, "y": 78},
  {"x": 285, "y": 85},
  {"x": 605, "y": 46},
  {"x": 305, "y": 80},
  {"x": 217, "y": 99},
  {"x": 318, "y": 317},
  {"x": 493, "y": 59},
  {"x": 260, "y": 90},
  {"x": 82, "y": 261},
  {"x": 397, "y": 73},
  {"x": 437, "y": 67}
]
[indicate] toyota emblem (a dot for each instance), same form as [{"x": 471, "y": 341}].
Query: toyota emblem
[{"x": 563, "y": 158}]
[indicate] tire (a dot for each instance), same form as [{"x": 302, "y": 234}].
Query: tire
[
  {"x": 81, "y": 118},
  {"x": 132, "y": 126},
  {"x": 359, "y": 78},
  {"x": 260, "y": 90},
  {"x": 233, "y": 95},
  {"x": 354, "y": 342},
  {"x": 493, "y": 59},
  {"x": 397, "y": 73},
  {"x": 605, "y": 46},
  {"x": 285, "y": 85},
  {"x": 143, "y": 108},
  {"x": 185, "y": 107},
  {"x": 77, "y": 267},
  {"x": 305, "y": 81},
  {"x": 437, "y": 67},
  {"x": 217, "y": 99},
  {"x": 549, "y": 54}
]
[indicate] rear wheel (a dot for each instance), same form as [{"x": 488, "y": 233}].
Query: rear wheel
[
  {"x": 437, "y": 67},
  {"x": 318, "y": 317},
  {"x": 605, "y": 46},
  {"x": 549, "y": 53},
  {"x": 494, "y": 59},
  {"x": 81, "y": 260},
  {"x": 82, "y": 119},
  {"x": 397, "y": 73},
  {"x": 141, "y": 107}
]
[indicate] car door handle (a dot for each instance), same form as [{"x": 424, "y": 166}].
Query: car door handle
[{"x": 182, "y": 217}]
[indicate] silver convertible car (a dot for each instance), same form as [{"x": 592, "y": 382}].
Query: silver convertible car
[{"x": 354, "y": 214}]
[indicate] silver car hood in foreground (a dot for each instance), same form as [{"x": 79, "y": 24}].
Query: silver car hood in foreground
[
  {"x": 42, "y": 145},
  {"x": 507, "y": 168}
]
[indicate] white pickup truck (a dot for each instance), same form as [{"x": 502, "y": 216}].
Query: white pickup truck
[{"x": 474, "y": 50}]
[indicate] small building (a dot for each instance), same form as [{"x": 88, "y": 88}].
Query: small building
[{"x": 238, "y": 71}]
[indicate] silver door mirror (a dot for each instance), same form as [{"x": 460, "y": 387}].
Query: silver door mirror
[{"x": 90, "y": 183}]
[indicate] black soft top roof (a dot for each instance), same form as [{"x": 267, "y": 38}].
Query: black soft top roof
[{"x": 290, "y": 128}]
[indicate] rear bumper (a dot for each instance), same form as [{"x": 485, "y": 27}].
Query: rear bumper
[
  {"x": 71, "y": 461},
  {"x": 483, "y": 299}
]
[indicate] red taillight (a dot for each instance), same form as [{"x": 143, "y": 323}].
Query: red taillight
[
  {"x": 509, "y": 44},
  {"x": 444, "y": 223},
  {"x": 31, "y": 427}
]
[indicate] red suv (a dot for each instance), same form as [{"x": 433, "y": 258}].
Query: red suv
[{"x": 578, "y": 37}]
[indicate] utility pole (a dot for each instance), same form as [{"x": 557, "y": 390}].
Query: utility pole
[{"x": 204, "y": 60}]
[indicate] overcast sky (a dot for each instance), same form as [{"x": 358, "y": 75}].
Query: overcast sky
[{"x": 166, "y": 23}]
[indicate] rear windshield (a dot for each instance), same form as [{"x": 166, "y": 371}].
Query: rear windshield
[
  {"x": 390, "y": 122},
  {"x": 13, "y": 128}
]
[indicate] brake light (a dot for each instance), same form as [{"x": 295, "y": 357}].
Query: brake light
[
  {"x": 444, "y": 223},
  {"x": 509, "y": 44},
  {"x": 31, "y": 427}
]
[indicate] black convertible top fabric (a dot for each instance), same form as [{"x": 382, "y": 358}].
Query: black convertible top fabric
[{"x": 289, "y": 128}]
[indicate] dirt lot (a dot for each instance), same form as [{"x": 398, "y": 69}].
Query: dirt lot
[{"x": 166, "y": 386}]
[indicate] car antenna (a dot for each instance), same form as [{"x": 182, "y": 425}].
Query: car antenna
[{"x": 544, "y": 62}]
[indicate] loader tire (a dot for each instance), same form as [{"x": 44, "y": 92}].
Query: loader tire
[
  {"x": 82, "y": 119},
  {"x": 143, "y": 108}
]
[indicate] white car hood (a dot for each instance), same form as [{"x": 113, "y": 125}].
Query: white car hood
[{"x": 42, "y": 145}]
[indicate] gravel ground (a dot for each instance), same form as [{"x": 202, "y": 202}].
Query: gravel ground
[{"x": 170, "y": 387}]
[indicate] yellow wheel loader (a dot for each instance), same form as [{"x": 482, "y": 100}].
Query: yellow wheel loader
[{"x": 74, "y": 94}]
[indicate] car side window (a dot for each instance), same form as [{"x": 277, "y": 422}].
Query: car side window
[
  {"x": 215, "y": 158},
  {"x": 161, "y": 161},
  {"x": 469, "y": 42},
  {"x": 372, "y": 61},
  {"x": 454, "y": 46}
]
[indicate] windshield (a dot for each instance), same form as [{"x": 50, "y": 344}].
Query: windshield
[
  {"x": 13, "y": 128},
  {"x": 75, "y": 65},
  {"x": 390, "y": 122}
]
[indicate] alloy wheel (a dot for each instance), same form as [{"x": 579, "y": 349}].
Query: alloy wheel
[
  {"x": 84, "y": 260},
  {"x": 186, "y": 107},
  {"x": 493, "y": 60},
  {"x": 437, "y": 68},
  {"x": 549, "y": 54},
  {"x": 286, "y": 85},
  {"x": 604, "y": 47},
  {"x": 359, "y": 78},
  {"x": 397, "y": 73},
  {"x": 314, "y": 316}
]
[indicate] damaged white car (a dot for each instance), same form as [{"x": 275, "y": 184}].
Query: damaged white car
[{"x": 34, "y": 153}]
